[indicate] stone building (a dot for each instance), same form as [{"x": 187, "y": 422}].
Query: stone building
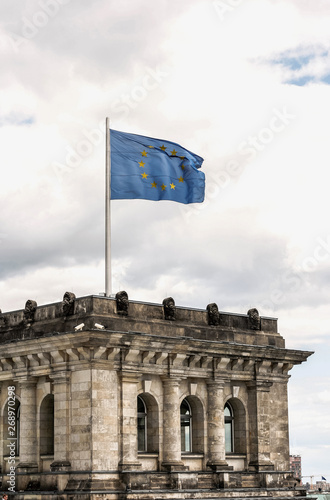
[
  {"x": 295, "y": 466},
  {"x": 106, "y": 398}
]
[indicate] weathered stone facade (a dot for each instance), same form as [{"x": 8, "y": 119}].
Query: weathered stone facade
[{"x": 129, "y": 400}]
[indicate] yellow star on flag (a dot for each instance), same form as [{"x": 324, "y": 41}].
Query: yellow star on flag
[
  {"x": 172, "y": 185},
  {"x": 141, "y": 163},
  {"x": 163, "y": 187},
  {"x": 144, "y": 175},
  {"x": 181, "y": 157},
  {"x": 144, "y": 153},
  {"x": 150, "y": 147},
  {"x": 180, "y": 179},
  {"x": 173, "y": 153},
  {"x": 162, "y": 147},
  {"x": 182, "y": 166},
  {"x": 154, "y": 184}
]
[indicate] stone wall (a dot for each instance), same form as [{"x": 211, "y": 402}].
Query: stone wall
[{"x": 79, "y": 366}]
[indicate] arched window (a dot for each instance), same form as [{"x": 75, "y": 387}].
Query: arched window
[
  {"x": 47, "y": 425},
  {"x": 141, "y": 424},
  {"x": 229, "y": 429},
  {"x": 235, "y": 427},
  {"x": 147, "y": 423},
  {"x": 186, "y": 427}
]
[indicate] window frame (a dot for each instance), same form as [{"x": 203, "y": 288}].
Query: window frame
[
  {"x": 142, "y": 415},
  {"x": 229, "y": 421},
  {"x": 47, "y": 418},
  {"x": 186, "y": 422}
]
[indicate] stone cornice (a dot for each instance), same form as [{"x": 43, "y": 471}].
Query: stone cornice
[
  {"x": 178, "y": 357},
  {"x": 78, "y": 345}
]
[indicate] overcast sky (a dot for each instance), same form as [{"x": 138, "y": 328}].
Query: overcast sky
[{"x": 243, "y": 83}]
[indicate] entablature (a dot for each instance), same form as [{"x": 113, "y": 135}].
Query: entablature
[{"x": 146, "y": 354}]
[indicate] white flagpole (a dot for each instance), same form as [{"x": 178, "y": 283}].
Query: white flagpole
[{"x": 107, "y": 211}]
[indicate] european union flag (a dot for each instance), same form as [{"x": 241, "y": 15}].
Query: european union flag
[{"x": 154, "y": 169}]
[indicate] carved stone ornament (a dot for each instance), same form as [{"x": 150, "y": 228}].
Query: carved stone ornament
[
  {"x": 122, "y": 303},
  {"x": 169, "y": 308},
  {"x": 254, "y": 319},
  {"x": 213, "y": 314},
  {"x": 3, "y": 319},
  {"x": 29, "y": 311},
  {"x": 68, "y": 303}
]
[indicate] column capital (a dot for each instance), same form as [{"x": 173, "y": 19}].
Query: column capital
[
  {"x": 61, "y": 377},
  {"x": 25, "y": 381},
  {"x": 259, "y": 385},
  {"x": 171, "y": 380},
  {"x": 130, "y": 377},
  {"x": 219, "y": 383}
]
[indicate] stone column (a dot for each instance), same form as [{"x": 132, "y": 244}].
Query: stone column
[
  {"x": 216, "y": 426},
  {"x": 28, "y": 428},
  {"x": 28, "y": 460},
  {"x": 2, "y": 435},
  {"x": 259, "y": 409},
  {"x": 129, "y": 459},
  {"x": 172, "y": 425},
  {"x": 61, "y": 388}
]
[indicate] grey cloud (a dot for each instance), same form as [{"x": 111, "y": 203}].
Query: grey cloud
[{"x": 95, "y": 40}]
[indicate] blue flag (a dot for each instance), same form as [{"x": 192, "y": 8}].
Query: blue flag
[
  {"x": 323, "y": 478},
  {"x": 154, "y": 169}
]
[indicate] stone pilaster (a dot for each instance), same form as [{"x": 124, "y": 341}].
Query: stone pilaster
[
  {"x": 61, "y": 388},
  {"x": 81, "y": 455},
  {"x": 259, "y": 409},
  {"x": 104, "y": 419},
  {"x": 279, "y": 440},
  {"x": 28, "y": 425},
  {"x": 172, "y": 425},
  {"x": 28, "y": 460},
  {"x": 216, "y": 426},
  {"x": 129, "y": 459}
]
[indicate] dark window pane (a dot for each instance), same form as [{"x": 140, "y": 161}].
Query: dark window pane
[
  {"x": 185, "y": 412},
  {"x": 141, "y": 425},
  {"x": 229, "y": 429}
]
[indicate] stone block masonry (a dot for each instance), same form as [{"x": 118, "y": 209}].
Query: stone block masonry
[{"x": 119, "y": 399}]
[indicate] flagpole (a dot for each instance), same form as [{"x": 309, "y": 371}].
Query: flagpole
[{"x": 107, "y": 211}]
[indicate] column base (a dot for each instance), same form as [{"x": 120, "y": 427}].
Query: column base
[
  {"x": 174, "y": 466},
  {"x": 27, "y": 476},
  {"x": 219, "y": 465},
  {"x": 60, "y": 466},
  {"x": 129, "y": 466},
  {"x": 28, "y": 467},
  {"x": 221, "y": 479},
  {"x": 261, "y": 466}
]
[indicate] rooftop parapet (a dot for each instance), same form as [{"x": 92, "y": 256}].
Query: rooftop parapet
[{"x": 123, "y": 315}]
